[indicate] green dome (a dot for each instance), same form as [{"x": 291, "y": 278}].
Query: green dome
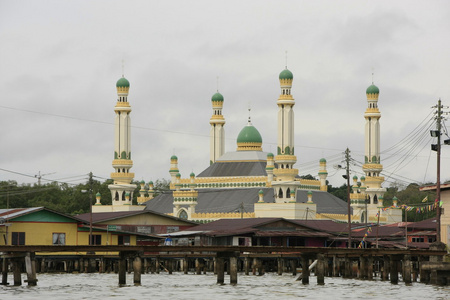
[
  {"x": 142, "y": 181},
  {"x": 192, "y": 174},
  {"x": 217, "y": 97},
  {"x": 355, "y": 177},
  {"x": 286, "y": 74},
  {"x": 150, "y": 182},
  {"x": 373, "y": 89},
  {"x": 98, "y": 194},
  {"x": 249, "y": 134},
  {"x": 174, "y": 157},
  {"x": 123, "y": 82},
  {"x": 269, "y": 154},
  {"x": 261, "y": 192},
  {"x": 323, "y": 160}
]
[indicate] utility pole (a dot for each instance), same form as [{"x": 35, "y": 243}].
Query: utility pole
[
  {"x": 90, "y": 207},
  {"x": 347, "y": 162},
  {"x": 438, "y": 179}
]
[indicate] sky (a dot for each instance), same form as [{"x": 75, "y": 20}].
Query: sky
[{"x": 60, "y": 60}]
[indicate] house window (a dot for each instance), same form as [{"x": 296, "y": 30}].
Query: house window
[
  {"x": 96, "y": 239},
  {"x": 123, "y": 240},
  {"x": 59, "y": 239},
  {"x": 18, "y": 238}
]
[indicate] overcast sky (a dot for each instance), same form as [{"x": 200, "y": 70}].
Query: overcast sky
[{"x": 60, "y": 60}]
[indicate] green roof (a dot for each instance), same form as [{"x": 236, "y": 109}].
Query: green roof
[
  {"x": 286, "y": 74},
  {"x": 249, "y": 134},
  {"x": 373, "y": 89},
  {"x": 217, "y": 97},
  {"x": 192, "y": 174},
  {"x": 174, "y": 157},
  {"x": 123, "y": 82},
  {"x": 323, "y": 160},
  {"x": 270, "y": 154}
]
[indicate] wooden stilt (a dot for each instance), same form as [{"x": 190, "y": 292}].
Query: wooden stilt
[
  {"x": 348, "y": 268},
  {"x": 233, "y": 270},
  {"x": 220, "y": 269},
  {"x": 407, "y": 269},
  {"x": 16, "y": 272},
  {"x": 393, "y": 274},
  {"x": 305, "y": 269},
  {"x": 30, "y": 265},
  {"x": 122, "y": 269},
  {"x": 185, "y": 265},
  {"x": 198, "y": 271},
  {"x": 294, "y": 266},
  {"x": 246, "y": 265},
  {"x": 137, "y": 268},
  {"x": 320, "y": 269},
  {"x": 280, "y": 266},
  {"x": 424, "y": 275},
  {"x": 370, "y": 267},
  {"x": 4, "y": 271}
]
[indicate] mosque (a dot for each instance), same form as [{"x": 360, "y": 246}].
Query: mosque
[{"x": 248, "y": 182}]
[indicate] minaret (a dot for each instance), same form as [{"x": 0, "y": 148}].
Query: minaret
[
  {"x": 122, "y": 162},
  {"x": 285, "y": 159},
  {"x": 372, "y": 167},
  {"x": 217, "y": 132}
]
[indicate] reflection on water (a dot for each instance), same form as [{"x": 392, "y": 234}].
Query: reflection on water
[{"x": 181, "y": 286}]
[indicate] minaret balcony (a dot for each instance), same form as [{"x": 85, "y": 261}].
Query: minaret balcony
[
  {"x": 372, "y": 167},
  {"x": 285, "y": 174},
  {"x": 285, "y": 159},
  {"x": 122, "y": 177}
]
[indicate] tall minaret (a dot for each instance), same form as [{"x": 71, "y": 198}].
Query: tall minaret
[
  {"x": 372, "y": 167},
  {"x": 285, "y": 159},
  {"x": 122, "y": 162},
  {"x": 217, "y": 132}
]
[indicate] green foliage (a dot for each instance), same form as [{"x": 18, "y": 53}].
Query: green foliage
[{"x": 340, "y": 192}]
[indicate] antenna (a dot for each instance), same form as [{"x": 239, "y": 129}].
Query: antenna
[
  {"x": 372, "y": 75},
  {"x": 123, "y": 67},
  {"x": 286, "y": 59},
  {"x": 217, "y": 83}
]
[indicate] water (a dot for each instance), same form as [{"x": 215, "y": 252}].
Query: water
[{"x": 204, "y": 287}]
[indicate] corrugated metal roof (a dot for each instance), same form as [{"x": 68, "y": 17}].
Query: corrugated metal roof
[
  {"x": 230, "y": 200},
  {"x": 106, "y": 216},
  {"x": 15, "y": 212},
  {"x": 233, "y": 169}
]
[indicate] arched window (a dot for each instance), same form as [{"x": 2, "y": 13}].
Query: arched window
[
  {"x": 116, "y": 197},
  {"x": 280, "y": 194},
  {"x": 363, "y": 217},
  {"x": 375, "y": 199},
  {"x": 288, "y": 192},
  {"x": 123, "y": 195},
  {"x": 183, "y": 214}
]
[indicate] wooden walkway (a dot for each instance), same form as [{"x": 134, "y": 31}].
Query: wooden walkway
[{"x": 330, "y": 261}]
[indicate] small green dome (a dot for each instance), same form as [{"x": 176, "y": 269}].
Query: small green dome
[
  {"x": 142, "y": 181},
  {"x": 123, "y": 82},
  {"x": 178, "y": 175},
  {"x": 309, "y": 192},
  {"x": 249, "y": 134},
  {"x": 192, "y": 174},
  {"x": 355, "y": 177},
  {"x": 150, "y": 182},
  {"x": 98, "y": 194},
  {"x": 270, "y": 154},
  {"x": 217, "y": 97},
  {"x": 395, "y": 198},
  {"x": 323, "y": 160},
  {"x": 173, "y": 157},
  {"x": 373, "y": 89},
  {"x": 286, "y": 74},
  {"x": 363, "y": 178},
  {"x": 261, "y": 192}
]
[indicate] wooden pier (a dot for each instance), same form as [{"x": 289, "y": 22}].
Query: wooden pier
[{"x": 363, "y": 264}]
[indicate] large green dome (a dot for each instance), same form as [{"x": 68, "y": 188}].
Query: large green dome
[
  {"x": 286, "y": 74},
  {"x": 217, "y": 97},
  {"x": 249, "y": 134},
  {"x": 373, "y": 89},
  {"x": 123, "y": 82}
]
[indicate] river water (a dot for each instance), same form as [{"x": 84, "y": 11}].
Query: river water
[{"x": 181, "y": 286}]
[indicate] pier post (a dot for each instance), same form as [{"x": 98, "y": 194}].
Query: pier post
[
  {"x": 220, "y": 269},
  {"x": 370, "y": 267},
  {"x": 305, "y": 269},
  {"x": 246, "y": 265},
  {"x": 185, "y": 265},
  {"x": 137, "y": 268},
  {"x": 122, "y": 269},
  {"x": 254, "y": 265},
  {"x": 348, "y": 268},
  {"x": 30, "y": 265},
  {"x": 424, "y": 275},
  {"x": 233, "y": 270},
  {"x": 335, "y": 267},
  {"x": 386, "y": 268},
  {"x": 157, "y": 264},
  {"x": 362, "y": 268},
  {"x": 407, "y": 269},
  {"x": 16, "y": 271},
  {"x": 4, "y": 271},
  {"x": 280, "y": 266},
  {"x": 198, "y": 270},
  {"x": 393, "y": 270},
  {"x": 320, "y": 269},
  {"x": 294, "y": 266}
]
